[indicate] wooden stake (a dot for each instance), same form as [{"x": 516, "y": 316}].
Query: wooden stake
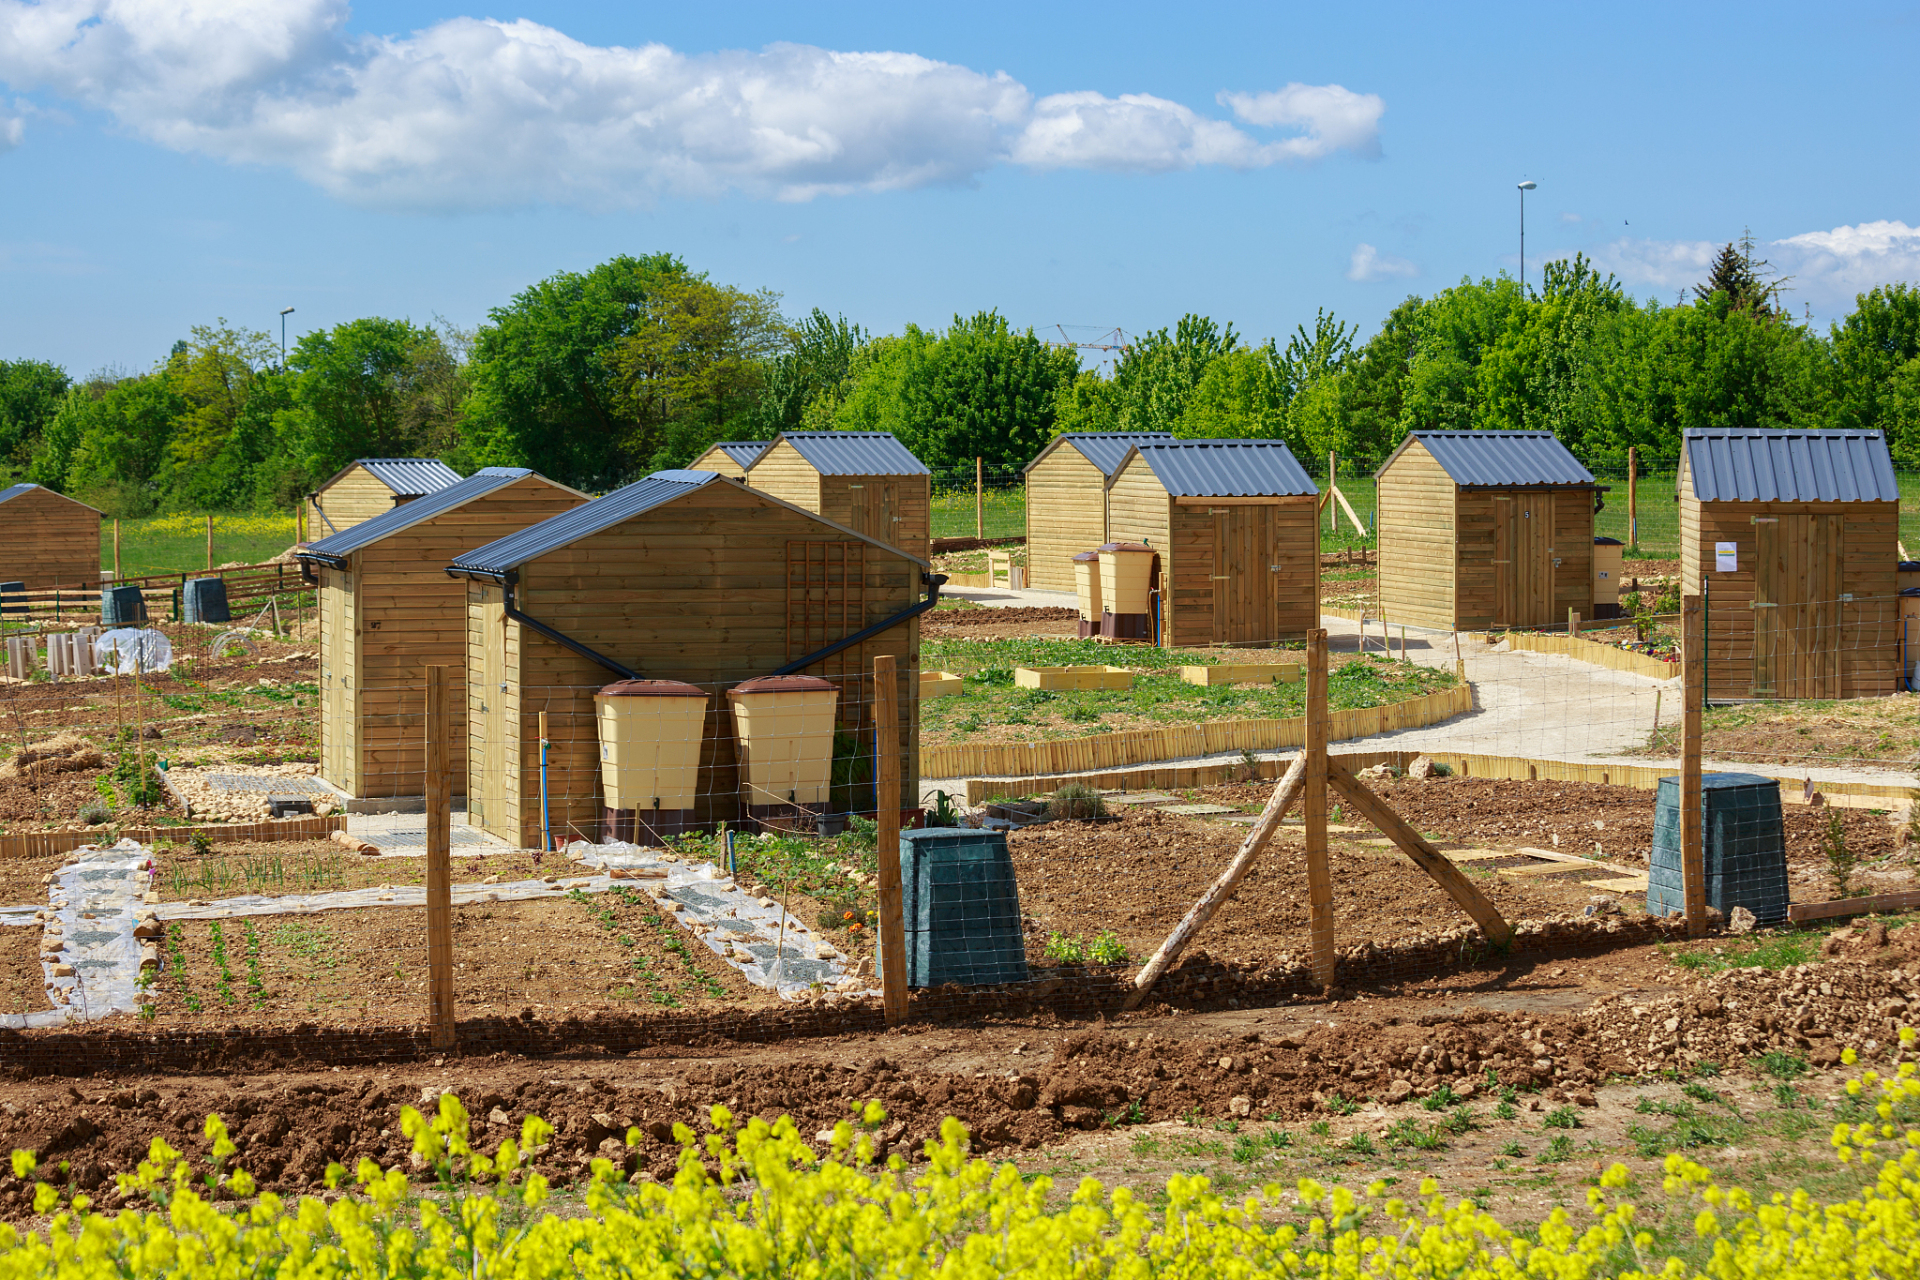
[
  {"x": 1693, "y": 867},
  {"x": 1333, "y": 474},
  {"x": 439, "y": 786},
  {"x": 209, "y": 543},
  {"x": 1633, "y": 496},
  {"x": 1431, "y": 860},
  {"x": 1313, "y": 807},
  {"x": 116, "y": 550},
  {"x": 893, "y": 930},
  {"x": 1285, "y": 792},
  {"x": 1573, "y": 622},
  {"x": 979, "y": 499}
]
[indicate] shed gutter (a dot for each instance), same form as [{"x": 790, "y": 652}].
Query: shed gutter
[{"x": 934, "y": 582}]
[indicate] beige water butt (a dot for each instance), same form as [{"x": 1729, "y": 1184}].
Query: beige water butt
[
  {"x": 784, "y": 725},
  {"x": 1086, "y": 584},
  {"x": 650, "y": 736},
  {"x": 1608, "y": 564},
  {"x": 1126, "y": 590}
]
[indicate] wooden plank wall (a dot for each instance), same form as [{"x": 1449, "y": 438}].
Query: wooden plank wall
[
  {"x": 1066, "y": 514},
  {"x": 782, "y": 472},
  {"x": 339, "y": 680},
  {"x": 694, "y": 590},
  {"x": 1573, "y": 549},
  {"x": 50, "y": 541},
  {"x": 895, "y": 509},
  {"x": 412, "y": 615},
  {"x": 1869, "y": 639},
  {"x": 1433, "y": 571},
  {"x": 719, "y": 460},
  {"x": 1570, "y": 513},
  {"x": 1233, "y": 596},
  {"x": 354, "y": 497}
]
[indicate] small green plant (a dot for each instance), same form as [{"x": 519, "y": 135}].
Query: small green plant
[
  {"x": 1107, "y": 949},
  {"x": 1065, "y": 948},
  {"x": 1562, "y": 1118},
  {"x": 1340, "y": 1106},
  {"x": 1699, "y": 1092},
  {"x": 944, "y": 814},
  {"x": 1782, "y": 1065},
  {"x": 1319, "y": 1128},
  {"x": 1460, "y": 1121},
  {"x": 94, "y": 812},
  {"x": 1786, "y": 1097},
  {"x": 1278, "y": 1139},
  {"x": 1440, "y": 1099},
  {"x": 1559, "y": 1150},
  {"x": 1246, "y": 1148},
  {"x": 201, "y": 843},
  {"x": 1842, "y": 862},
  {"x": 1513, "y": 1150},
  {"x": 1504, "y": 1110},
  {"x": 1076, "y": 802},
  {"x": 1360, "y": 1144}
]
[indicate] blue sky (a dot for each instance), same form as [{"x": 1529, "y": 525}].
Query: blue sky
[{"x": 165, "y": 162}]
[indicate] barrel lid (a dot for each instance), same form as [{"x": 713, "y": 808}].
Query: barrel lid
[
  {"x": 1608, "y": 542},
  {"x": 650, "y": 689},
  {"x": 781, "y": 684},
  {"x": 1127, "y": 546},
  {"x": 1086, "y": 556},
  {"x": 1727, "y": 781},
  {"x": 1909, "y": 566}
]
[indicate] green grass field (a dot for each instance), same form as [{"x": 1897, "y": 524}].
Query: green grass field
[{"x": 178, "y": 544}]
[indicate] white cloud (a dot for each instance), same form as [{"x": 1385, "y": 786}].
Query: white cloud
[
  {"x": 1369, "y": 264},
  {"x": 470, "y": 113},
  {"x": 12, "y": 130},
  {"x": 1828, "y": 268}
]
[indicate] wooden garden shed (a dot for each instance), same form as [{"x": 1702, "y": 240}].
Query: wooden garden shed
[
  {"x": 50, "y": 540},
  {"x": 865, "y": 480},
  {"x": 1067, "y": 500},
  {"x": 1793, "y": 538},
  {"x": 1235, "y": 525},
  {"x": 1485, "y": 529},
  {"x": 731, "y": 458},
  {"x": 686, "y": 576},
  {"x": 388, "y": 611},
  {"x": 366, "y": 487}
]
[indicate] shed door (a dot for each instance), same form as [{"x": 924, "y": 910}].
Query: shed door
[
  {"x": 1523, "y": 559},
  {"x": 334, "y": 648},
  {"x": 1246, "y": 560},
  {"x": 1796, "y": 606},
  {"x": 874, "y": 508},
  {"x": 489, "y": 806}
]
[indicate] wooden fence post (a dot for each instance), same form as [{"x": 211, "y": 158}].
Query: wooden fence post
[
  {"x": 439, "y": 788},
  {"x": 116, "y": 549},
  {"x": 979, "y": 499},
  {"x": 893, "y": 931},
  {"x": 1633, "y": 496},
  {"x": 1313, "y": 808},
  {"x": 209, "y": 542},
  {"x": 1333, "y": 512},
  {"x": 1693, "y": 871}
]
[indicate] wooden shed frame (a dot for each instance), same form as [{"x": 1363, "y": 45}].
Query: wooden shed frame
[
  {"x": 1236, "y": 525},
  {"x": 1067, "y": 500},
  {"x": 684, "y": 575},
  {"x": 866, "y": 481},
  {"x": 388, "y": 611},
  {"x": 730, "y": 458},
  {"x": 1811, "y": 608},
  {"x": 1483, "y": 529},
  {"x": 51, "y": 540},
  {"x": 366, "y": 487}
]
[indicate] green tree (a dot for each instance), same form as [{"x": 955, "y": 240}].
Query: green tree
[
  {"x": 693, "y": 371},
  {"x": 1744, "y": 280},
  {"x": 1243, "y": 393},
  {"x": 1090, "y": 402},
  {"x": 545, "y": 393},
  {"x": 354, "y": 384},
  {"x": 31, "y": 392},
  {"x": 1530, "y": 377},
  {"x": 1874, "y": 347},
  {"x": 1158, "y": 373},
  {"x": 110, "y": 444},
  {"x": 806, "y": 384},
  {"x": 1452, "y": 332},
  {"x": 981, "y": 390}
]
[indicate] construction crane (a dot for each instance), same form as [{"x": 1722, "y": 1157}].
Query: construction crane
[{"x": 1107, "y": 342}]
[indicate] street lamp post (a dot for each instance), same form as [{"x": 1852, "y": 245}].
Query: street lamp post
[
  {"x": 287, "y": 311},
  {"x": 1525, "y": 187}
]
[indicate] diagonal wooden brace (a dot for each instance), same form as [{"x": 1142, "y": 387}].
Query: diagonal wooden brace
[
  {"x": 1285, "y": 792},
  {"x": 1430, "y": 859}
]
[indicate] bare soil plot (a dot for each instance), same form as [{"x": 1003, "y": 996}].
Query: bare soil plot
[
  {"x": 274, "y": 868},
  {"x": 1883, "y": 732},
  {"x": 22, "y": 982},
  {"x": 615, "y": 949}
]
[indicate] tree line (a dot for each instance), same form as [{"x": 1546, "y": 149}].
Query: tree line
[{"x": 596, "y": 377}]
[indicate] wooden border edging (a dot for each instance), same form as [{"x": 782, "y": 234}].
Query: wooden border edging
[
  {"x": 1583, "y": 650},
  {"x": 35, "y": 844},
  {"x": 1884, "y": 902},
  {"x": 1172, "y": 777},
  {"x": 1107, "y": 751}
]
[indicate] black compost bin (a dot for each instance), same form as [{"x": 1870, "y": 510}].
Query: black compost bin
[
  {"x": 961, "y": 909},
  {"x": 1745, "y": 847}
]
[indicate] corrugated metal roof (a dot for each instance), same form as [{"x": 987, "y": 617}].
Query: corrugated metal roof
[
  {"x": 1501, "y": 459},
  {"x": 743, "y": 452},
  {"x": 410, "y": 477},
  {"x": 335, "y": 548},
  {"x": 1108, "y": 449},
  {"x": 854, "y": 453},
  {"x": 636, "y": 499},
  {"x": 570, "y": 526},
  {"x": 1790, "y": 466},
  {"x": 15, "y": 490},
  {"x": 1225, "y": 468}
]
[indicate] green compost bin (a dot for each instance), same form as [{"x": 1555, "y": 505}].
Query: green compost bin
[
  {"x": 961, "y": 908},
  {"x": 1745, "y": 846}
]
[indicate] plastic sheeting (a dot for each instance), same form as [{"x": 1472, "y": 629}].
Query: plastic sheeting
[
  {"x": 119, "y": 651},
  {"x": 97, "y": 900}
]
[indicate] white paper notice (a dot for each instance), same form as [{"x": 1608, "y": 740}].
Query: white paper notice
[{"x": 1725, "y": 557}]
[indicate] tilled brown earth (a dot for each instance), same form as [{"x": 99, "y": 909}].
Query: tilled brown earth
[{"x": 1019, "y": 1084}]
